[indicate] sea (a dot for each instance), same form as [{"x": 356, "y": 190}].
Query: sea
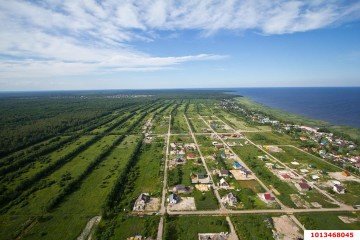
[{"x": 336, "y": 105}]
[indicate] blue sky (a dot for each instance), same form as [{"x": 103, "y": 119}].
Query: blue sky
[{"x": 88, "y": 44}]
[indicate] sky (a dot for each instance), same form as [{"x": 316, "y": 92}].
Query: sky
[{"x": 150, "y": 44}]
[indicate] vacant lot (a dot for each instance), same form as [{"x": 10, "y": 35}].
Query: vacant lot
[
  {"x": 328, "y": 221},
  {"x": 188, "y": 227}
]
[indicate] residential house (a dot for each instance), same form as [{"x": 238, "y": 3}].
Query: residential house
[
  {"x": 285, "y": 176},
  {"x": 315, "y": 177},
  {"x": 303, "y": 186},
  {"x": 223, "y": 183},
  {"x": 229, "y": 199},
  {"x": 200, "y": 178},
  {"x": 267, "y": 197},
  {"x": 339, "y": 189},
  {"x": 174, "y": 198},
  {"x": 141, "y": 202},
  {"x": 237, "y": 165},
  {"x": 224, "y": 173},
  {"x": 244, "y": 171},
  {"x": 181, "y": 189}
]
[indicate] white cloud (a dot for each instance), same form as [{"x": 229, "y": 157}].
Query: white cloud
[{"x": 66, "y": 37}]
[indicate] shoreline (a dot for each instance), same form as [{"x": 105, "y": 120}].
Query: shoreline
[
  {"x": 352, "y": 133},
  {"x": 335, "y": 106}
]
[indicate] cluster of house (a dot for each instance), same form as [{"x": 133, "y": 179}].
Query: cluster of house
[
  {"x": 328, "y": 146},
  {"x": 229, "y": 199},
  {"x": 174, "y": 197},
  {"x": 181, "y": 152},
  {"x": 241, "y": 168}
]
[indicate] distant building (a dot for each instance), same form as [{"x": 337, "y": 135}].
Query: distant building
[
  {"x": 141, "y": 202},
  {"x": 174, "y": 198},
  {"x": 267, "y": 197},
  {"x": 315, "y": 177},
  {"x": 224, "y": 173},
  {"x": 229, "y": 199},
  {"x": 200, "y": 178},
  {"x": 339, "y": 189},
  {"x": 223, "y": 183},
  {"x": 285, "y": 176},
  {"x": 237, "y": 165},
  {"x": 303, "y": 186}
]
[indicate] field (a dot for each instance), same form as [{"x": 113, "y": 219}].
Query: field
[
  {"x": 252, "y": 227},
  {"x": 113, "y": 166},
  {"x": 187, "y": 227},
  {"x": 328, "y": 221}
]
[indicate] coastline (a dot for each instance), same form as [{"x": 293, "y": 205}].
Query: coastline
[
  {"x": 337, "y": 106},
  {"x": 349, "y": 132}
]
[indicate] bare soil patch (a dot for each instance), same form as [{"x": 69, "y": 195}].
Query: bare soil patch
[
  {"x": 286, "y": 228},
  {"x": 153, "y": 205},
  {"x": 202, "y": 187},
  {"x": 185, "y": 204},
  {"x": 347, "y": 219},
  {"x": 340, "y": 177},
  {"x": 239, "y": 176}
]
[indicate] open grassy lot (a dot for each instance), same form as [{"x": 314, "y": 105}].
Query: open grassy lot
[
  {"x": 206, "y": 146},
  {"x": 251, "y": 227},
  {"x": 249, "y": 154},
  {"x": 197, "y": 124},
  {"x": 188, "y": 227},
  {"x": 291, "y": 154},
  {"x": 238, "y": 123},
  {"x": 146, "y": 176},
  {"x": 329, "y": 221},
  {"x": 129, "y": 226},
  {"x": 247, "y": 199},
  {"x": 205, "y": 108},
  {"x": 271, "y": 138},
  {"x": 183, "y": 138},
  {"x": 160, "y": 122},
  {"x": 352, "y": 193},
  {"x": 181, "y": 173},
  {"x": 205, "y": 200},
  {"x": 178, "y": 122}
]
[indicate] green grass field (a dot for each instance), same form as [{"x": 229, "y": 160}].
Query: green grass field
[
  {"x": 188, "y": 227},
  {"x": 271, "y": 138},
  {"x": 291, "y": 154},
  {"x": 251, "y": 227},
  {"x": 328, "y": 221},
  {"x": 98, "y": 164}
]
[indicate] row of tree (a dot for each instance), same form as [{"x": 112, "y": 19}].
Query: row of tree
[
  {"x": 26, "y": 184},
  {"x": 75, "y": 183}
]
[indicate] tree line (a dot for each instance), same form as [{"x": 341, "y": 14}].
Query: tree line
[
  {"x": 26, "y": 184},
  {"x": 72, "y": 186}
]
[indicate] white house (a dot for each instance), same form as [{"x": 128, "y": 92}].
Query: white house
[
  {"x": 173, "y": 198},
  {"x": 223, "y": 183},
  {"x": 229, "y": 199},
  {"x": 339, "y": 189}
]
